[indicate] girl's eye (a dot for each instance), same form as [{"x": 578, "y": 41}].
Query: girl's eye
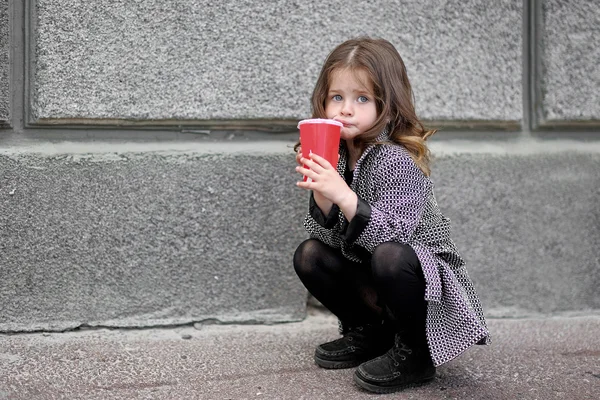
[
  {"x": 337, "y": 97},
  {"x": 362, "y": 99}
]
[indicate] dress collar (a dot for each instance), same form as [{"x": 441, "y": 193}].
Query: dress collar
[{"x": 341, "y": 167}]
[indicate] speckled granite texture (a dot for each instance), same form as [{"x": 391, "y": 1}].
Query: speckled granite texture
[
  {"x": 146, "y": 239},
  {"x": 138, "y": 239},
  {"x": 4, "y": 62},
  {"x": 188, "y": 60},
  {"x": 570, "y": 32},
  {"x": 527, "y": 226}
]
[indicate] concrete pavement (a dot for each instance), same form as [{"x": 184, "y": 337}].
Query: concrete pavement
[{"x": 546, "y": 358}]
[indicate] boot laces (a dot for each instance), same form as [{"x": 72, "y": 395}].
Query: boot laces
[
  {"x": 354, "y": 333},
  {"x": 399, "y": 352}
]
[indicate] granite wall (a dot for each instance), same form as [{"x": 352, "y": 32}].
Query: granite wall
[
  {"x": 138, "y": 186},
  {"x": 147, "y": 238},
  {"x": 568, "y": 63},
  {"x": 168, "y": 61}
]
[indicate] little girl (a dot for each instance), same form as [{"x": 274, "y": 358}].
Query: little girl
[{"x": 380, "y": 256}]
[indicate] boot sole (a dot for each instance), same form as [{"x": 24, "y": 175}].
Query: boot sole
[
  {"x": 390, "y": 389},
  {"x": 328, "y": 364}
]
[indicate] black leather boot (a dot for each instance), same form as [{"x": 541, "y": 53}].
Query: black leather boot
[
  {"x": 357, "y": 344},
  {"x": 404, "y": 365}
]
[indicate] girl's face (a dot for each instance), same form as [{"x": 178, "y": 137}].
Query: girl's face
[{"x": 351, "y": 101}]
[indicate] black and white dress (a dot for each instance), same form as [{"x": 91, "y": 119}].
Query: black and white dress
[{"x": 397, "y": 204}]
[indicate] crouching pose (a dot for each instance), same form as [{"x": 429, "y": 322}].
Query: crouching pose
[{"x": 380, "y": 256}]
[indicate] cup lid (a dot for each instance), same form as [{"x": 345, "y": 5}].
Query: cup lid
[{"x": 320, "y": 121}]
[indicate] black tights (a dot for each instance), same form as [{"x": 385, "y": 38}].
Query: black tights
[{"x": 356, "y": 293}]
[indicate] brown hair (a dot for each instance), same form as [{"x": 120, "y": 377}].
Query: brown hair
[{"x": 393, "y": 95}]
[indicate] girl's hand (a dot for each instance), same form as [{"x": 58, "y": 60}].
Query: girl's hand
[
  {"x": 299, "y": 155},
  {"x": 325, "y": 180}
]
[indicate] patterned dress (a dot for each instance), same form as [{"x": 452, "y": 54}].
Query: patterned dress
[{"x": 396, "y": 204}]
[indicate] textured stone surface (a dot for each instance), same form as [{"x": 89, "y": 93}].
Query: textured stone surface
[
  {"x": 134, "y": 238},
  {"x": 188, "y": 60},
  {"x": 527, "y": 226},
  {"x": 146, "y": 239},
  {"x": 570, "y": 54},
  {"x": 4, "y": 62}
]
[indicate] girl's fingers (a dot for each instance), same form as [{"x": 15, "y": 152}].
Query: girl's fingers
[
  {"x": 307, "y": 172},
  {"x": 311, "y": 164},
  {"x": 320, "y": 160},
  {"x": 304, "y": 185}
]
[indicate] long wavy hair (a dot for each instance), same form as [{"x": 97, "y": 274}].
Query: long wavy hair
[{"x": 393, "y": 95}]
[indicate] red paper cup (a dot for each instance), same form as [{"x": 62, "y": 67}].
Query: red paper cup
[{"x": 322, "y": 137}]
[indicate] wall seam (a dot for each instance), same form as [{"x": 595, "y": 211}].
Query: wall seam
[
  {"x": 29, "y": 61},
  {"x": 527, "y": 58},
  {"x": 16, "y": 65},
  {"x": 535, "y": 54}
]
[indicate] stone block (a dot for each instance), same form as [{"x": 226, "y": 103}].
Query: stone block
[
  {"x": 527, "y": 226},
  {"x": 167, "y": 62},
  {"x": 570, "y": 77},
  {"x": 128, "y": 235},
  {"x": 148, "y": 239}
]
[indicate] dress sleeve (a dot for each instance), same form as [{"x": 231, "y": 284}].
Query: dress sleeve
[
  {"x": 399, "y": 192},
  {"x": 326, "y": 221},
  {"x": 323, "y": 227},
  {"x": 350, "y": 231}
]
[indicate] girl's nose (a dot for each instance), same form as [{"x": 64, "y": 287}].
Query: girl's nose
[{"x": 347, "y": 108}]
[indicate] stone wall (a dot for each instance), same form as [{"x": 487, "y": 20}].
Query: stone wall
[
  {"x": 130, "y": 236},
  {"x": 168, "y": 61},
  {"x": 568, "y": 62},
  {"x": 147, "y": 238},
  {"x": 146, "y": 170}
]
